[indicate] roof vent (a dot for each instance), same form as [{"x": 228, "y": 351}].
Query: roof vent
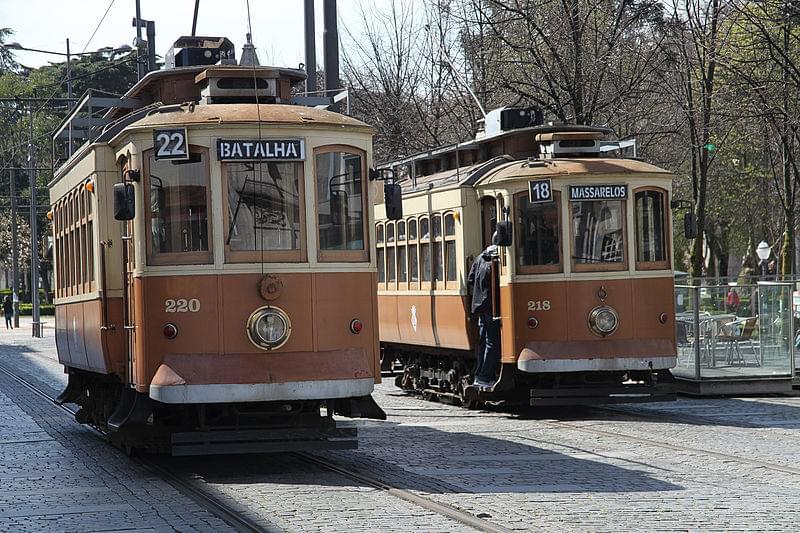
[
  {"x": 569, "y": 143},
  {"x": 189, "y": 51},
  {"x": 511, "y": 118}
]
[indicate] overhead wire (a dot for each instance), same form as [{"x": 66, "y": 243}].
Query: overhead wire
[{"x": 98, "y": 25}]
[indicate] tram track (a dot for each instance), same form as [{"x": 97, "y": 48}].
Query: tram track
[
  {"x": 221, "y": 510},
  {"x": 240, "y": 523}
]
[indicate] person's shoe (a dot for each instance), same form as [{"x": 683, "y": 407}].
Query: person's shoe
[{"x": 483, "y": 384}]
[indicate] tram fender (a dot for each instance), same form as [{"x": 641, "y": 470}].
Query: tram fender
[{"x": 359, "y": 407}]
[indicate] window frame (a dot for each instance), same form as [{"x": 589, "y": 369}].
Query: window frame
[
  {"x": 299, "y": 255},
  {"x": 449, "y": 283},
  {"x": 424, "y": 241},
  {"x": 380, "y": 246},
  {"x": 344, "y": 256},
  {"x": 411, "y": 284},
  {"x": 600, "y": 267},
  {"x": 653, "y": 265},
  {"x": 539, "y": 269},
  {"x": 177, "y": 258}
]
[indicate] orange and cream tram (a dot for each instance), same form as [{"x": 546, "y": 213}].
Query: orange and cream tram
[
  {"x": 215, "y": 290},
  {"x": 583, "y": 277}
]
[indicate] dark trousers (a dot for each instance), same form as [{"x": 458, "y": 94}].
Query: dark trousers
[
  {"x": 8, "y": 321},
  {"x": 487, "y": 353}
]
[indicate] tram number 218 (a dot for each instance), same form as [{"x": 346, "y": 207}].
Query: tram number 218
[
  {"x": 538, "y": 305},
  {"x": 182, "y": 305}
]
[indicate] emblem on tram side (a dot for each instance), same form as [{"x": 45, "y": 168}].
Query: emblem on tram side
[
  {"x": 270, "y": 287},
  {"x": 414, "y": 317}
]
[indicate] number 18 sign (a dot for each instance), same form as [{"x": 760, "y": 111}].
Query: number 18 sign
[
  {"x": 541, "y": 191},
  {"x": 171, "y": 143}
]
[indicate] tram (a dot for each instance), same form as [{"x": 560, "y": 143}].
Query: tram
[
  {"x": 215, "y": 290},
  {"x": 583, "y": 273}
]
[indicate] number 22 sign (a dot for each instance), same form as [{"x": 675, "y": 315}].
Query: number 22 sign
[
  {"x": 541, "y": 191},
  {"x": 171, "y": 144}
]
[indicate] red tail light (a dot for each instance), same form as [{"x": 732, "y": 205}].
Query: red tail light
[
  {"x": 170, "y": 331},
  {"x": 356, "y": 326}
]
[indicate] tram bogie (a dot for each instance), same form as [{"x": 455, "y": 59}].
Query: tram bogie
[
  {"x": 583, "y": 281},
  {"x": 228, "y": 305}
]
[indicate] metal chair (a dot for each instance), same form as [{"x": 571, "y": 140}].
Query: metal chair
[{"x": 736, "y": 333}]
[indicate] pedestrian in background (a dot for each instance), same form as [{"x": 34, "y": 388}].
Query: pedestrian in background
[{"x": 8, "y": 311}]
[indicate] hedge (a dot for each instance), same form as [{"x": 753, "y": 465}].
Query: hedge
[{"x": 44, "y": 309}]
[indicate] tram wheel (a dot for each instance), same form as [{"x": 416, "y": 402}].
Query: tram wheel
[{"x": 468, "y": 394}]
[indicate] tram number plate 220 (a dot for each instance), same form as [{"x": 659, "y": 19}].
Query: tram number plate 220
[
  {"x": 541, "y": 191},
  {"x": 171, "y": 143}
]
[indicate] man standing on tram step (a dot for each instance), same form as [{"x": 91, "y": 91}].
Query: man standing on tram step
[
  {"x": 8, "y": 311},
  {"x": 487, "y": 352}
]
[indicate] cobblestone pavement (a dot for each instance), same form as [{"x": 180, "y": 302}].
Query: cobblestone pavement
[{"x": 690, "y": 465}]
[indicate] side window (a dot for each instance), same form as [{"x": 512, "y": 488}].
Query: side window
[
  {"x": 413, "y": 252},
  {"x": 341, "y": 204},
  {"x": 651, "y": 247},
  {"x": 538, "y": 232},
  {"x": 178, "y": 192},
  {"x": 380, "y": 253},
  {"x": 425, "y": 249},
  {"x": 450, "y": 248}
]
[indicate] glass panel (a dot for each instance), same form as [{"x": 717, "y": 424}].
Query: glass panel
[
  {"x": 401, "y": 264},
  {"x": 379, "y": 233},
  {"x": 414, "y": 261},
  {"x": 401, "y": 231},
  {"x": 437, "y": 261},
  {"x": 425, "y": 253},
  {"x": 598, "y": 232},
  {"x": 412, "y": 229},
  {"x": 390, "y": 264},
  {"x": 390, "y": 232},
  {"x": 381, "y": 265},
  {"x": 178, "y": 210},
  {"x": 538, "y": 233},
  {"x": 339, "y": 201},
  {"x": 450, "y": 253},
  {"x": 423, "y": 228},
  {"x": 650, "y": 226},
  {"x": 449, "y": 224},
  {"x": 90, "y": 244},
  {"x": 437, "y": 226},
  {"x": 263, "y": 206}
]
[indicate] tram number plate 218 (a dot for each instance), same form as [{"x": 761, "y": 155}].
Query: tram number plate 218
[
  {"x": 541, "y": 191},
  {"x": 171, "y": 143}
]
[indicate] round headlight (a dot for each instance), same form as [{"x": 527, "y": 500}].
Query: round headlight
[
  {"x": 603, "y": 321},
  {"x": 269, "y": 327}
]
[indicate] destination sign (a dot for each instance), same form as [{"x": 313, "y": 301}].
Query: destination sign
[
  {"x": 597, "y": 192},
  {"x": 261, "y": 150}
]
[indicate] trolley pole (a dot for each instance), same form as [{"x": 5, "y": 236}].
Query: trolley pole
[
  {"x": 37, "y": 326},
  {"x": 14, "y": 248},
  {"x": 69, "y": 97}
]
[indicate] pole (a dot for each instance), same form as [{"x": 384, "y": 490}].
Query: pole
[
  {"x": 311, "y": 48},
  {"x": 37, "y": 329},
  {"x": 330, "y": 39},
  {"x": 139, "y": 65},
  {"x": 14, "y": 249},
  {"x": 69, "y": 97},
  {"x": 151, "y": 46},
  {"x": 194, "y": 20}
]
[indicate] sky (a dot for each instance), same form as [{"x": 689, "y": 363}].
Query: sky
[{"x": 277, "y": 25}]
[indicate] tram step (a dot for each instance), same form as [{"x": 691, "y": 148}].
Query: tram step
[{"x": 263, "y": 440}]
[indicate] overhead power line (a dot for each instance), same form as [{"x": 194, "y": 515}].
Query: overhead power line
[{"x": 98, "y": 25}]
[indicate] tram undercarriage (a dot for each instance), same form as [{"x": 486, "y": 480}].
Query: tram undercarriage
[
  {"x": 447, "y": 376},
  {"x": 133, "y": 421}
]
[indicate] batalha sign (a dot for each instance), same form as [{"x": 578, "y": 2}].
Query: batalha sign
[
  {"x": 261, "y": 150},
  {"x": 598, "y": 192}
]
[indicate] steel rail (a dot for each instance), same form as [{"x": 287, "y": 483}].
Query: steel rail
[
  {"x": 421, "y": 501},
  {"x": 219, "y": 509},
  {"x": 673, "y": 447}
]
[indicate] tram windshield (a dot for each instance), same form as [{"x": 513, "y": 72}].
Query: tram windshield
[
  {"x": 538, "y": 243},
  {"x": 263, "y": 207},
  {"x": 340, "y": 202},
  {"x": 598, "y": 234},
  {"x": 650, "y": 235}
]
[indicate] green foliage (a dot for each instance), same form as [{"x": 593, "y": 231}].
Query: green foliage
[{"x": 44, "y": 309}]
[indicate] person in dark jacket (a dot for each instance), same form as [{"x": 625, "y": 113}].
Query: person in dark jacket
[
  {"x": 8, "y": 311},
  {"x": 487, "y": 352}
]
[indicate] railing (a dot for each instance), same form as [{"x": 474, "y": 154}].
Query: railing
[{"x": 734, "y": 331}]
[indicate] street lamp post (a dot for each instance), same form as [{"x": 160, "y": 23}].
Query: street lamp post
[{"x": 763, "y": 251}]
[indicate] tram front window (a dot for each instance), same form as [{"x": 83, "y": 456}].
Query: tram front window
[
  {"x": 178, "y": 209},
  {"x": 538, "y": 246},
  {"x": 340, "y": 205},
  {"x": 650, "y": 235},
  {"x": 263, "y": 207},
  {"x": 598, "y": 234}
]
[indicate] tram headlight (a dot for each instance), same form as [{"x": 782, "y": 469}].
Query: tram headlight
[
  {"x": 603, "y": 320},
  {"x": 269, "y": 327}
]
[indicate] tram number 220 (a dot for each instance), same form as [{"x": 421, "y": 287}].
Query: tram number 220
[
  {"x": 182, "y": 305},
  {"x": 538, "y": 305}
]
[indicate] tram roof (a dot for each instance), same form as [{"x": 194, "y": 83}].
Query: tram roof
[
  {"x": 280, "y": 114},
  {"x": 572, "y": 167}
]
